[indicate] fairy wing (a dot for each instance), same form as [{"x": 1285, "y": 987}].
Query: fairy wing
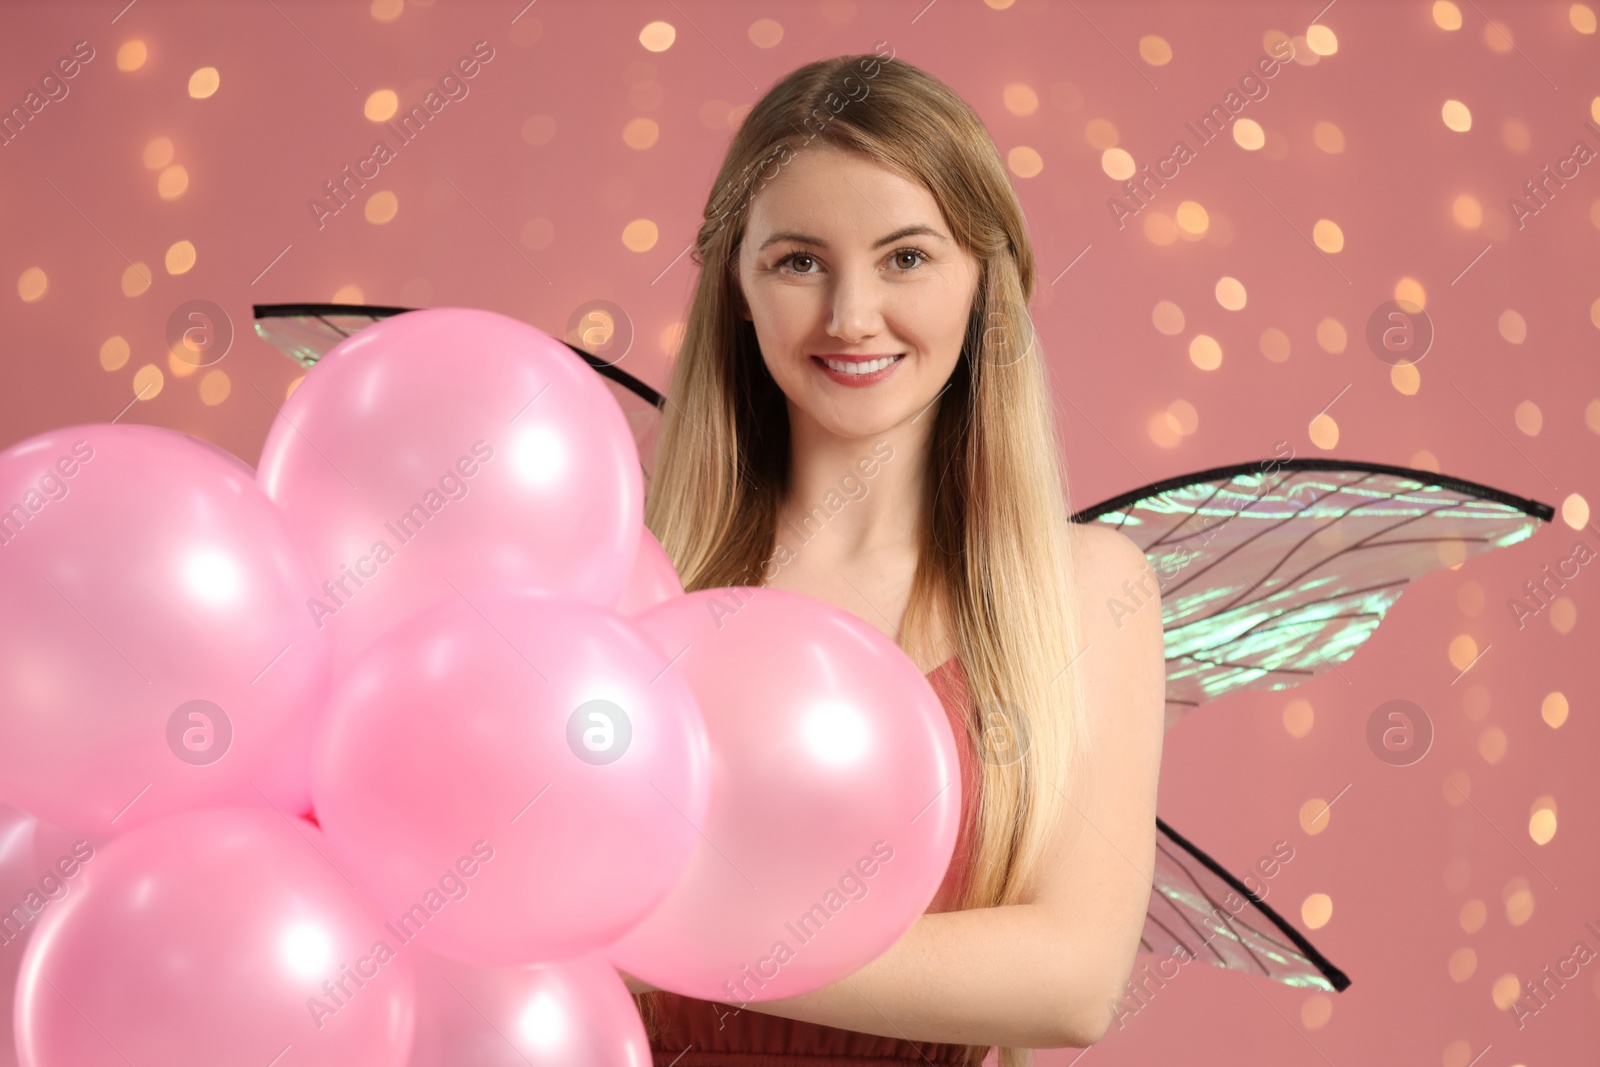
[
  {"x": 1269, "y": 574},
  {"x": 305, "y": 332},
  {"x": 1198, "y": 910}
]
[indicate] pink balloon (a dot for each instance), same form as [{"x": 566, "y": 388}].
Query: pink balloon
[
  {"x": 219, "y": 935},
  {"x": 651, "y": 580},
  {"x": 835, "y": 799},
  {"x": 284, "y": 780},
  {"x": 548, "y": 1015},
  {"x": 448, "y": 448},
  {"x": 158, "y": 645},
  {"x": 228, "y": 457},
  {"x": 40, "y": 866},
  {"x": 516, "y": 776}
]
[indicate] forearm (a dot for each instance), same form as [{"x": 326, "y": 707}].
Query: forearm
[{"x": 993, "y": 976}]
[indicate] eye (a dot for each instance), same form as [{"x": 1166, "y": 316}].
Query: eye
[
  {"x": 919, "y": 253},
  {"x": 797, "y": 255}
]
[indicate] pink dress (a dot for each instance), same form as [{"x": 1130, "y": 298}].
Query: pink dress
[{"x": 700, "y": 1033}]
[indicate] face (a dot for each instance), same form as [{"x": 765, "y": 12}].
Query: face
[{"x": 844, "y": 258}]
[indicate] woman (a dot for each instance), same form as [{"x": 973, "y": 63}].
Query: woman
[{"x": 862, "y": 297}]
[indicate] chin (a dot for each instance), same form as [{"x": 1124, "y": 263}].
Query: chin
[{"x": 867, "y": 425}]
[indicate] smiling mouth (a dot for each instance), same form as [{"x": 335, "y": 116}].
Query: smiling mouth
[{"x": 868, "y": 366}]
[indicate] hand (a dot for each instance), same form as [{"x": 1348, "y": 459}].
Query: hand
[{"x": 635, "y": 985}]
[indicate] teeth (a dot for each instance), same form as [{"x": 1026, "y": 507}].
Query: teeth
[{"x": 860, "y": 368}]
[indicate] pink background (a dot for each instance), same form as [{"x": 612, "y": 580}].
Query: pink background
[{"x": 516, "y": 199}]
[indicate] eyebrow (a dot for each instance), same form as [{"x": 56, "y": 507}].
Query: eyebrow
[{"x": 807, "y": 239}]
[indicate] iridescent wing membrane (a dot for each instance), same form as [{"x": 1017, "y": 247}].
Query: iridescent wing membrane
[
  {"x": 1274, "y": 572},
  {"x": 1198, "y": 910},
  {"x": 1269, "y": 574}
]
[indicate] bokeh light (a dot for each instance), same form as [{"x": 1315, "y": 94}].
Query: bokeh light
[
  {"x": 381, "y": 105},
  {"x": 1328, "y": 236},
  {"x": 1117, "y": 163},
  {"x": 1331, "y": 336},
  {"x": 658, "y": 36},
  {"x": 1155, "y": 51},
  {"x": 639, "y": 235},
  {"x": 1298, "y": 717},
  {"x": 1405, "y": 378},
  {"x": 1316, "y": 910},
  {"x": 1513, "y": 327},
  {"x": 136, "y": 279},
  {"x": 1275, "y": 344},
  {"x": 1020, "y": 99},
  {"x": 1230, "y": 292},
  {"x": 173, "y": 182},
  {"x": 204, "y": 83},
  {"x": 765, "y": 33},
  {"x": 131, "y": 55},
  {"x": 158, "y": 152},
  {"x": 1575, "y": 511},
  {"x": 381, "y": 207},
  {"x": 1324, "y": 432},
  {"x": 641, "y": 133},
  {"x": 1167, "y": 317},
  {"x": 180, "y": 258},
  {"x": 1205, "y": 352},
  {"x": 1024, "y": 162},
  {"x": 1100, "y": 133},
  {"x": 1518, "y": 897},
  {"x": 32, "y": 284},
  {"x": 1193, "y": 220},
  {"x": 1528, "y": 417}
]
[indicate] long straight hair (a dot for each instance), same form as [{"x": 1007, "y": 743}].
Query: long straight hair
[{"x": 994, "y": 554}]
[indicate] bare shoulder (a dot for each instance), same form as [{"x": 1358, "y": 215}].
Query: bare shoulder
[
  {"x": 1119, "y": 623},
  {"x": 1103, "y": 559}
]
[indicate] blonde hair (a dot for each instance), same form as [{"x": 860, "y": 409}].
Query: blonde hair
[{"x": 994, "y": 546}]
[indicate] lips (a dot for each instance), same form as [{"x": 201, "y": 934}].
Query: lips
[
  {"x": 842, "y": 364},
  {"x": 860, "y": 373}
]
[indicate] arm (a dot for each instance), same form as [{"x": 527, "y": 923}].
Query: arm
[{"x": 1043, "y": 973}]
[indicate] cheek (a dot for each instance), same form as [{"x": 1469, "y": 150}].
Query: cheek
[
  {"x": 935, "y": 325},
  {"x": 784, "y": 319}
]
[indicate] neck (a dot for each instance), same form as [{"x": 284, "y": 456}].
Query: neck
[{"x": 851, "y": 497}]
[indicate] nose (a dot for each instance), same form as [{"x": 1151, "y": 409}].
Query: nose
[{"x": 855, "y": 313}]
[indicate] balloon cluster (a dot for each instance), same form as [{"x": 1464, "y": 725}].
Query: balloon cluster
[{"x": 397, "y": 749}]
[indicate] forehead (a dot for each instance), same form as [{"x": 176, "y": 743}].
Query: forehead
[{"x": 839, "y": 195}]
